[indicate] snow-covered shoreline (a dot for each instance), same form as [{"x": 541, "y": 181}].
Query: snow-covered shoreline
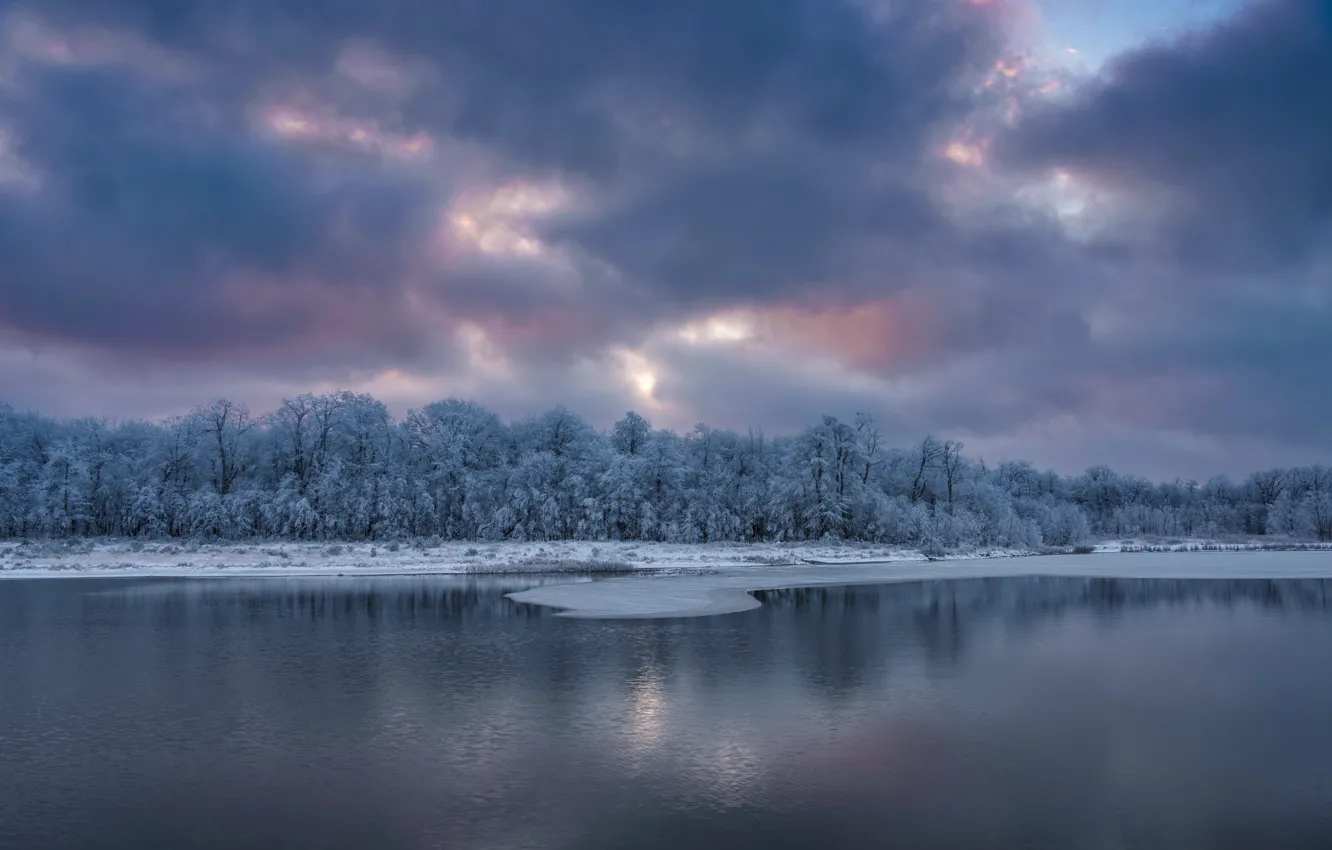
[
  {"x": 172, "y": 559},
  {"x": 121, "y": 558}
]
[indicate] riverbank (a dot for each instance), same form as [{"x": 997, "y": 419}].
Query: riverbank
[
  {"x": 174, "y": 558},
  {"x": 112, "y": 557}
]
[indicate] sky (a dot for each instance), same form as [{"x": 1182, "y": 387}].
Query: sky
[{"x": 1071, "y": 231}]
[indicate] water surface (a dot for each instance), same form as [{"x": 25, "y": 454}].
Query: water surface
[{"x": 435, "y": 712}]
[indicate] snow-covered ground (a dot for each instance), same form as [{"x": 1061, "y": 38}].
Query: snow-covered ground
[
  {"x": 125, "y": 558},
  {"x": 1202, "y": 544},
  {"x": 728, "y": 591}
]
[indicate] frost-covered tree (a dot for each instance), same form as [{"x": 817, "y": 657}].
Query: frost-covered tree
[
  {"x": 224, "y": 426},
  {"x": 338, "y": 466},
  {"x": 630, "y": 434}
]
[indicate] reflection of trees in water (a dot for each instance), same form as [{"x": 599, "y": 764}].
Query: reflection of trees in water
[
  {"x": 938, "y": 606},
  {"x": 865, "y": 628},
  {"x": 859, "y": 631},
  {"x": 837, "y": 639},
  {"x": 1046, "y": 594},
  {"x": 321, "y": 598}
]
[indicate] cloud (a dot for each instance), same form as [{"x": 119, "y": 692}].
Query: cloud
[
  {"x": 1226, "y": 129},
  {"x": 154, "y": 231},
  {"x": 735, "y": 211},
  {"x": 1218, "y": 303},
  {"x": 727, "y": 147}
]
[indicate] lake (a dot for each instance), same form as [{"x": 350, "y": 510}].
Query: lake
[{"x": 429, "y": 712}]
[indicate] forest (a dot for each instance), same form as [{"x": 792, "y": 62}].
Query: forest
[{"x": 338, "y": 466}]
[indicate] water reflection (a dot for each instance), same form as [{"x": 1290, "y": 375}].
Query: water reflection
[
  {"x": 333, "y": 596},
  {"x": 936, "y": 605},
  {"x": 936, "y": 621},
  {"x": 434, "y": 712}
]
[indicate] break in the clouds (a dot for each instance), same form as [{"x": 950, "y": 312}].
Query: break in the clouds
[{"x": 746, "y": 212}]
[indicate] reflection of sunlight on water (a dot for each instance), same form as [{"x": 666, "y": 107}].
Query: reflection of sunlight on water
[
  {"x": 730, "y": 773},
  {"x": 723, "y": 764},
  {"x": 647, "y": 721}
]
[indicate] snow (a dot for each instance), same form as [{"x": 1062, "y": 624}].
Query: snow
[
  {"x": 45, "y": 559},
  {"x": 1203, "y": 544},
  {"x": 122, "y": 558},
  {"x": 728, "y": 592}
]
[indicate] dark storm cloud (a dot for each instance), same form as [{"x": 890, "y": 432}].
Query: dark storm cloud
[
  {"x": 834, "y": 70},
  {"x": 1235, "y": 124},
  {"x": 755, "y": 227},
  {"x": 156, "y": 228},
  {"x": 775, "y": 112},
  {"x": 1260, "y": 359},
  {"x": 1220, "y": 273},
  {"x": 795, "y": 160}
]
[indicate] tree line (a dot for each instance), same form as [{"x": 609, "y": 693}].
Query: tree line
[{"x": 337, "y": 466}]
